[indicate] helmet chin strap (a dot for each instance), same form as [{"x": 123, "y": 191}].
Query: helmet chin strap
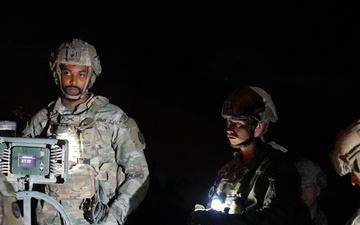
[
  {"x": 244, "y": 144},
  {"x": 72, "y": 98}
]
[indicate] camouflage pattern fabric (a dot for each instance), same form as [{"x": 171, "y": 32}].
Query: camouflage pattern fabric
[
  {"x": 9, "y": 210},
  {"x": 113, "y": 145},
  {"x": 47, "y": 214},
  {"x": 80, "y": 184}
]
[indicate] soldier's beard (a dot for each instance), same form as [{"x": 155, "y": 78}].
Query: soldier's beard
[
  {"x": 73, "y": 96},
  {"x": 71, "y": 93}
]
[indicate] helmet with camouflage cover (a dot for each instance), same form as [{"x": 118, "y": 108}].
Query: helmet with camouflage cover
[
  {"x": 76, "y": 52},
  {"x": 10, "y": 213},
  {"x": 250, "y": 103},
  {"x": 345, "y": 157},
  {"x": 311, "y": 172}
]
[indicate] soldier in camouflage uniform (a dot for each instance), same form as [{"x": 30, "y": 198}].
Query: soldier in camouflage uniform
[
  {"x": 108, "y": 172},
  {"x": 260, "y": 185},
  {"x": 313, "y": 181},
  {"x": 345, "y": 158},
  {"x": 9, "y": 210}
]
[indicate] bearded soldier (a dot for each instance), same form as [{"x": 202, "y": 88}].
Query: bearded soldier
[{"x": 108, "y": 172}]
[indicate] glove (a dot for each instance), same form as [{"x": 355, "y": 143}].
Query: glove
[
  {"x": 204, "y": 217},
  {"x": 95, "y": 212}
]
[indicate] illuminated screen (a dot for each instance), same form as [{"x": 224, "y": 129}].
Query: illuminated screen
[{"x": 27, "y": 160}]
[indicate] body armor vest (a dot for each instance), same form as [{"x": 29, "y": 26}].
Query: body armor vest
[
  {"x": 234, "y": 187},
  {"x": 228, "y": 189},
  {"x": 81, "y": 135},
  {"x": 80, "y": 131}
]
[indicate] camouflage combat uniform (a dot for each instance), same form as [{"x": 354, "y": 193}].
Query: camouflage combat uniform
[
  {"x": 108, "y": 141},
  {"x": 9, "y": 210}
]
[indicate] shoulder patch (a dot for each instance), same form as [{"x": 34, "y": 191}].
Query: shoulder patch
[{"x": 136, "y": 135}]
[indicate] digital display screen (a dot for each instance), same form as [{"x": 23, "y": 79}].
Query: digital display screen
[
  {"x": 27, "y": 160},
  {"x": 30, "y": 160}
]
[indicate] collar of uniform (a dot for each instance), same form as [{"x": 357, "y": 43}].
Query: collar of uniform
[{"x": 61, "y": 109}]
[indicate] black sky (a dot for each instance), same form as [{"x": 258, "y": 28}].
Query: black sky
[{"x": 170, "y": 64}]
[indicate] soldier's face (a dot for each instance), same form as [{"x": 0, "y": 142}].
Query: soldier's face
[
  {"x": 74, "y": 78},
  {"x": 237, "y": 131},
  {"x": 309, "y": 193}
]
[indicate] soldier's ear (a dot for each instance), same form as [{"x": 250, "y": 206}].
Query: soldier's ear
[{"x": 259, "y": 129}]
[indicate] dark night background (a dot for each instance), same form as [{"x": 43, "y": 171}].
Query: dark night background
[{"x": 170, "y": 65}]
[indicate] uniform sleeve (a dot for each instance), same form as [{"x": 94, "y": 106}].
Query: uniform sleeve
[
  {"x": 33, "y": 128},
  {"x": 129, "y": 145},
  {"x": 37, "y": 123}
]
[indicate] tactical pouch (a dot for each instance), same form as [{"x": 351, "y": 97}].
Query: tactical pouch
[
  {"x": 112, "y": 176},
  {"x": 80, "y": 184}
]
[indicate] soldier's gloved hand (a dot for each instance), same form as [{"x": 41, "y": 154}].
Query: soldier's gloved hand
[
  {"x": 116, "y": 211},
  {"x": 204, "y": 217}
]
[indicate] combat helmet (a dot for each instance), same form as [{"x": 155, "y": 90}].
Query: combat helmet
[
  {"x": 345, "y": 157},
  {"x": 251, "y": 103},
  {"x": 76, "y": 52},
  {"x": 311, "y": 172}
]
